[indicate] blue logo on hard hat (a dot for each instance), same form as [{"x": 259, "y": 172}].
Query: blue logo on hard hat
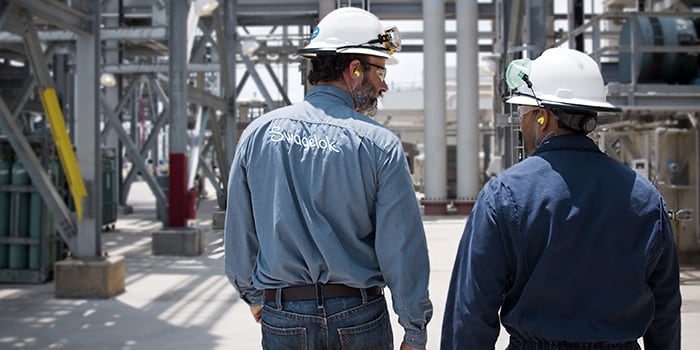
[{"x": 315, "y": 34}]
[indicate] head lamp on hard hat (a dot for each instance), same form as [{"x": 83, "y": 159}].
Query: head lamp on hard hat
[
  {"x": 390, "y": 42},
  {"x": 390, "y": 39}
]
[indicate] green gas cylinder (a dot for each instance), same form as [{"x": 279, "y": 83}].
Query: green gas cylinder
[
  {"x": 35, "y": 208},
  {"x": 5, "y": 167},
  {"x": 18, "y": 253}
]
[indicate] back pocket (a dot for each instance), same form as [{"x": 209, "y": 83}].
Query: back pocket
[
  {"x": 274, "y": 338},
  {"x": 373, "y": 335}
]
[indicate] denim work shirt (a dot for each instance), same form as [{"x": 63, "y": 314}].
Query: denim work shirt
[
  {"x": 319, "y": 193},
  {"x": 573, "y": 247}
]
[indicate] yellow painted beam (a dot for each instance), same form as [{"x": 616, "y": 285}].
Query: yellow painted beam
[{"x": 65, "y": 149}]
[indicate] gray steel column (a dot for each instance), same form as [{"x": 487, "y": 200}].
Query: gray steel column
[
  {"x": 325, "y": 7},
  {"x": 536, "y": 26},
  {"x": 467, "y": 105},
  {"x": 111, "y": 56},
  {"x": 177, "y": 180},
  {"x": 87, "y": 141},
  {"x": 435, "y": 199},
  {"x": 227, "y": 53}
]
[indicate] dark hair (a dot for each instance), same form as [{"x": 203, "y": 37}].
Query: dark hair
[{"x": 330, "y": 67}]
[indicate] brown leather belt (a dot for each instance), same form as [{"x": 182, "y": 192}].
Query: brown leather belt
[{"x": 320, "y": 292}]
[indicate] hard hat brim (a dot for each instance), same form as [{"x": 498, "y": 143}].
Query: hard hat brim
[
  {"x": 569, "y": 103},
  {"x": 370, "y": 52},
  {"x": 310, "y": 52}
]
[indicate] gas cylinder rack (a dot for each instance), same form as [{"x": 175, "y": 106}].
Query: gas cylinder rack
[{"x": 29, "y": 242}]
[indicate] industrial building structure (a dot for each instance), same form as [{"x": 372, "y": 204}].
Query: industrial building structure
[{"x": 98, "y": 94}]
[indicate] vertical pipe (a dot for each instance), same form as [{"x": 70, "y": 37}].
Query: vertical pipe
[
  {"x": 467, "y": 105},
  {"x": 595, "y": 36},
  {"x": 575, "y": 21},
  {"x": 571, "y": 43},
  {"x": 536, "y": 13},
  {"x": 435, "y": 200},
  {"x": 325, "y": 7},
  {"x": 177, "y": 181}
]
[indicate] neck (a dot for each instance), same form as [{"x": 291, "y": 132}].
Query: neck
[{"x": 340, "y": 83}]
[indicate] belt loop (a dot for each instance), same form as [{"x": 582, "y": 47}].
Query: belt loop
[
  {"x": 278, "y": 298},
  {"x": 363, "y": 292},
  {"x": 319, "y": 295}
]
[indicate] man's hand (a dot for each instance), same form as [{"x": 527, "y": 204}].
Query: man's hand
[
  {"x": 405, "y": 346},
  {"x": 257, "y": 312}
]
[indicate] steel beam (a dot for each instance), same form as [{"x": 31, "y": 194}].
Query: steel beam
[
  {"x": 50, "y": 102},
  {"x": 201, "y": 97},
  {"x": 218, "y": 143},
  {"x": 147, "y": 145},
  {"x": 133, "y": 153},
  {"x": 279, "y": 86},
  {"x": 151, "y": 139},
  {"x": 118, "y": 109},
  {"x": 196, "y": 139},
  {"x": 58, "y": 14},
  {"x": 258, "y": 82}
]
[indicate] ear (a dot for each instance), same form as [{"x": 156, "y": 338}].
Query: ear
[
  {"x": 355, "y": 69},
  {"x": 542, "y": 118}
]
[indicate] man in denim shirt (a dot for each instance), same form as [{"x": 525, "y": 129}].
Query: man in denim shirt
[
  {"x": 321, "y": 212},
  {"x": 573, "y": 248}
]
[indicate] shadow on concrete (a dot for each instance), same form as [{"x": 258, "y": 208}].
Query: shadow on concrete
[{"x": 170, "y": 302}]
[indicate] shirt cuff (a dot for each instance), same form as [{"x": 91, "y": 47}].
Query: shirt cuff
[
  {"x": 253, "y": 298},
  {"x": 416, "y": 339}
]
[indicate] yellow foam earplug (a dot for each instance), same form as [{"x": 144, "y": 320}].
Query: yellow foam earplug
[
  {"x": 357, "y": 73},
  {"x": 540, "y": 120}
]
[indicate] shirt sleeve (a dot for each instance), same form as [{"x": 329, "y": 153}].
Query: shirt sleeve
[
  {"x": 479, "y": 279},
  {"x": 401, "y": 247},
  {"x": 240, "y": 240},
  {"x": 664, "y": 281}
]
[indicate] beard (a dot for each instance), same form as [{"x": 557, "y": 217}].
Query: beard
[{"x": 366, "y": 99}]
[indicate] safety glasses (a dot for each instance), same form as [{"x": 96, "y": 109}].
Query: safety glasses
[
  {"x": 524, "y": 111},
  {"x": 381, "y": 71}
]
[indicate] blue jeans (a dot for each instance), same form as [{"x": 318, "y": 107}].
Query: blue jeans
[{"x": 340, "y": 323}]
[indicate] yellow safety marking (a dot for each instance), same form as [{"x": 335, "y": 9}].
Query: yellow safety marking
[{"x": 69, "y": 163}]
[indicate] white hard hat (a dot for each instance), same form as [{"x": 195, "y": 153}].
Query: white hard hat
[
  {"x": 353, "y": 30},
  {"x": 559, "y": 77}
]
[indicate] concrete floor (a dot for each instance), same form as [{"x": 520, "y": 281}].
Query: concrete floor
[{"x": 187, "y": 303}]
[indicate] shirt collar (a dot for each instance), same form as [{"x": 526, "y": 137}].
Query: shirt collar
[
  {"x": 326, "y": 91},
  {"x": 573, "y": 141}
]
